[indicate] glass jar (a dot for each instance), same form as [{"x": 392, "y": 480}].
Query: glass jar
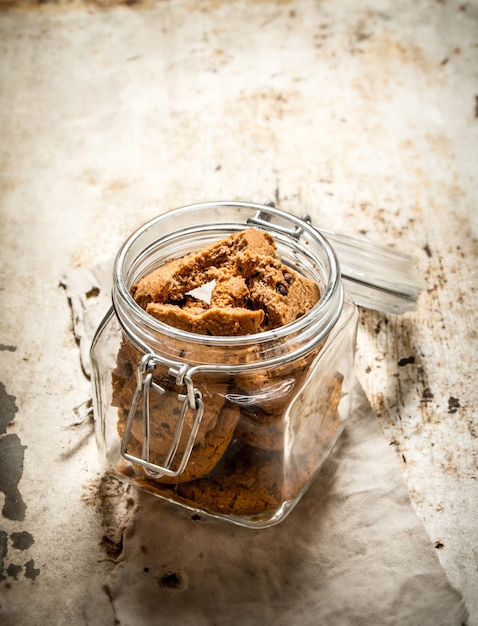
[{"x": 235, "y": 427}]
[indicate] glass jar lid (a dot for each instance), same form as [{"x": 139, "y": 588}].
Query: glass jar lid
[{"x": 376, "y": 277}]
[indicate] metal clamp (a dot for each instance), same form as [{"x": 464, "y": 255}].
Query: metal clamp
[
  {"x": 262, "y": 218},
  {"x": 191, "y": 400}
]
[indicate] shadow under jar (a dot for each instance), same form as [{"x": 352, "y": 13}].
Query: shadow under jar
[{"x": 233, "y": 426}]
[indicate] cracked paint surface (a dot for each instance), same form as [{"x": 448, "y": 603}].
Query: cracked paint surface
[{"x": 14, "y": 508}]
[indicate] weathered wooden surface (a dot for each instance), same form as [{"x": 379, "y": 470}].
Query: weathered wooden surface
[{"x": 363, "y": 115}]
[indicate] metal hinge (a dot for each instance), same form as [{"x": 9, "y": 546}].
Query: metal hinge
[{"x": 263, "y": 218}]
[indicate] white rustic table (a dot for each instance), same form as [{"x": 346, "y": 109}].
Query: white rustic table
[{"x": 362, "y": 114}]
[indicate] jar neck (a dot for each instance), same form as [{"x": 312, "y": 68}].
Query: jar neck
[{"x": 184, "y": 230}]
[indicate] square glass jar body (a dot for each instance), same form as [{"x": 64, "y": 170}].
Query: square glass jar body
[{"x": 236, "y": 428}]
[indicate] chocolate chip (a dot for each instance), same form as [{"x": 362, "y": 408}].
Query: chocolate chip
[
  {"x": 281, "y": 289},
  {"x": 289, "y": 279}
]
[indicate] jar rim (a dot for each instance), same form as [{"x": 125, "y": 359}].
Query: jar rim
[{"x": 327, "y": 309}]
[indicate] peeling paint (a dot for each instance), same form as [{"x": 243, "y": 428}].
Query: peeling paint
[
  {"x": 7, "y": 348},
  {"x": 14, "y": 570},
  {"x": 11, "y": 470},
  {"x": 30, "y": 570},
  {"x": 11, "y": 459},
  {"x": 14, "y": 507},
  {"x": 8, "y": 408},
  {"x": 3, "y": 552},
  {"x": 22, "y": 540}
]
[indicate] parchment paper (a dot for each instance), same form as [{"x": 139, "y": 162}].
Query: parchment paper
[{"x": 351, "y": 552}]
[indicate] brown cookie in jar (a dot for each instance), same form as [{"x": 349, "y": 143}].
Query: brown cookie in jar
[
  {"x": 247, "y": 481},
  {"x": 207, "y": 451},
  {"x": 253, "y": 291},
  {"x": 264, "y": 394},
  {"x": 272, "y": 431}
]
